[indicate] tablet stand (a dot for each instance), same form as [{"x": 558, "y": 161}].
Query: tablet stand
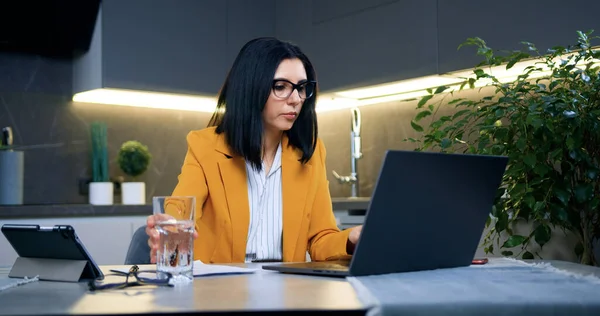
[{"x": 51, "y": 269}]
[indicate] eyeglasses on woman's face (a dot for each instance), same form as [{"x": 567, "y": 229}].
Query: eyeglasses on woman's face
[{"x": 284, "y": 88}]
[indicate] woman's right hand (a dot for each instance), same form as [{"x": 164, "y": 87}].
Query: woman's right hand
[{"x": 153, "y": 233}]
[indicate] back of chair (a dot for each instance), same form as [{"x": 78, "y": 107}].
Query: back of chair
[{"x": 139, "y": 251}]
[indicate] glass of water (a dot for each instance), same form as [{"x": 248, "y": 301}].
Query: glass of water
[{"x": 175, "y": 226}]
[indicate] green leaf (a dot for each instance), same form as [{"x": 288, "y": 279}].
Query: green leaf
[
  {"x": 555, "y": 154},
  {"x": 593, "y": 205},
  {"x": 542, "y": 234},
  {"x": 472, "y": 82},
  {"x": 445, "y": 143},
  {"x": 529, "y": 200},
  {"x": 592, "y": 173},
  {"x": 416, "y": 126},
  {"x": 562, "y": 215},
  {"x": 563, "y": 196},
  {"x": 527, "y": 255},
  {"x": 521, "y": 144},
  {"x": 507, "y": 253},
  {"x": 541, "y": 170},
  {"x": 479, "y": 73},
  {"x": 460, "y": 113},
  {"x": 570, "y": 143},
  {"x": 431, "y": 107},
  {"x": 440, "y": 89},
  {"x": 424, "y": 100},
  {"x": 539, "y": 205},
  {"x": 530, "y": 160},
  {"x": 553, "y": 84},
  {"x": 455, "y": 101},
  {"x": 583, "y": 192},
  {"x": 502, "y": 222},
  {"x": 513, "y": 241},
  {"x": 511, "y": 63},
  {"x": 422, "y": 114}
]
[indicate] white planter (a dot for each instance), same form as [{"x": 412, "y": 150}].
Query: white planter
[
  {"x": 12, "y": 165},
  {"x": 101, "y": 193},
  {"x": 133, "y": 193}
]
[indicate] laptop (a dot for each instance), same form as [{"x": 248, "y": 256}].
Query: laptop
[{"x": 427, "y": 211}]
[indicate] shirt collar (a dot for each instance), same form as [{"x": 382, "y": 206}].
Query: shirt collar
[{"x": 276, "y": 161}]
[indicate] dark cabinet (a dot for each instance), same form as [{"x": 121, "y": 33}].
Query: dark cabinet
[
  {"x": 183, "y": 46},
  {"x": 188, "y": 46},
  {"x": 163, "y": 45},
  {"x": 365, "y": 43},
  {"x": 503, "y": 25}
]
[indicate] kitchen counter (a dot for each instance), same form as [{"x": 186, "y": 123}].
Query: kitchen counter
[
  {"x": 85, "y": 210},
  {"x": 350, "y": 203},
  {"x": 72, "y": 210}
]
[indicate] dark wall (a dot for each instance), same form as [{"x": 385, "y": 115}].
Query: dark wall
[
  {"x": 35, "y": 101},
  {"x": 35, "y": 92}
]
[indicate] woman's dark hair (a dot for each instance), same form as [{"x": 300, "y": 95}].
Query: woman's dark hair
[{"x": 245, "y": 92}]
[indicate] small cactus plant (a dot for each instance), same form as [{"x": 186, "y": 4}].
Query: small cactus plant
[{"x": 99, "y": 152}]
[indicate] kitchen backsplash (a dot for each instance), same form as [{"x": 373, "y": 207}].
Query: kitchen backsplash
[{"x": 35, "y": 100}]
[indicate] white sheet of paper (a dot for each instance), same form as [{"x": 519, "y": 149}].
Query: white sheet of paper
[{"x": 202, "y": 269}]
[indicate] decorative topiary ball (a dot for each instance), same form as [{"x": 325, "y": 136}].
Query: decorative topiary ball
[{"x": 134, "y": 158}]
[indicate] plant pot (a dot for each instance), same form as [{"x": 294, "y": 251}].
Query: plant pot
[
  {"x": 12, "y": 166},
  {"x": 133, "y": 193},
  {"x": 101, "y": 193}
]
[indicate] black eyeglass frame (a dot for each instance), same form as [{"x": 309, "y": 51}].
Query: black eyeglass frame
[
  {"x": 139, "y": 281},
  {"x": 295, "y": 87}
]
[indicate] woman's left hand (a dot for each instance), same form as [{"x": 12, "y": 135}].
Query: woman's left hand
[{"x": 355, "y": 234}]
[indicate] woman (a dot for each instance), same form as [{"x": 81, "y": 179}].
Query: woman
[{"x": 258, "y": 171}]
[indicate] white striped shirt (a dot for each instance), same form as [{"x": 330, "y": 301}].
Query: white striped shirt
[{"x": 266, "y": 212}]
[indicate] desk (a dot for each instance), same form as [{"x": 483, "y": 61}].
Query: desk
[{"x": 261, "y": 292}]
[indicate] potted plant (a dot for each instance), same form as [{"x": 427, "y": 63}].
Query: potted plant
[
  {"x": 133, "y": 159},
  {"x": 546, "y": 121},
  {"x": 100, "y": 188},
  {"x": 12, "y": 164}
]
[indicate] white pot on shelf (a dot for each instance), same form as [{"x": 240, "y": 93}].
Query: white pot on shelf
[
  {"x": 101, "y": 193},
  {"x": 133, "y": 193}
]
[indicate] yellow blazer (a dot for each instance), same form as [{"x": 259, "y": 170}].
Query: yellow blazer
[{"x": 217, "y": 178}]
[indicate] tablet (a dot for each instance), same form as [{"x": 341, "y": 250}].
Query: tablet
[{"x": 54, "y": 242}]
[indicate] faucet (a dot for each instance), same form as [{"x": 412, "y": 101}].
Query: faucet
[{"x": 355, "y": 153}]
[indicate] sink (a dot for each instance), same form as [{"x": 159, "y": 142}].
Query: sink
[{"x": 350, "y": 203}]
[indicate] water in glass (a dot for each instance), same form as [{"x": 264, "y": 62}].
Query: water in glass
[{"x": 176, "y": 249}]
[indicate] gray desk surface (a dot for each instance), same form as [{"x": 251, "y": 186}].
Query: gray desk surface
[
  {"x": 260, "y": 292},
  {"x": 570, "y": 267}
]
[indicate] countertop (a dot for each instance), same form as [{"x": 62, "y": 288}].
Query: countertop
[
  {"x": 84, "y": 210},
  {"x": 72, "y": 210}
]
